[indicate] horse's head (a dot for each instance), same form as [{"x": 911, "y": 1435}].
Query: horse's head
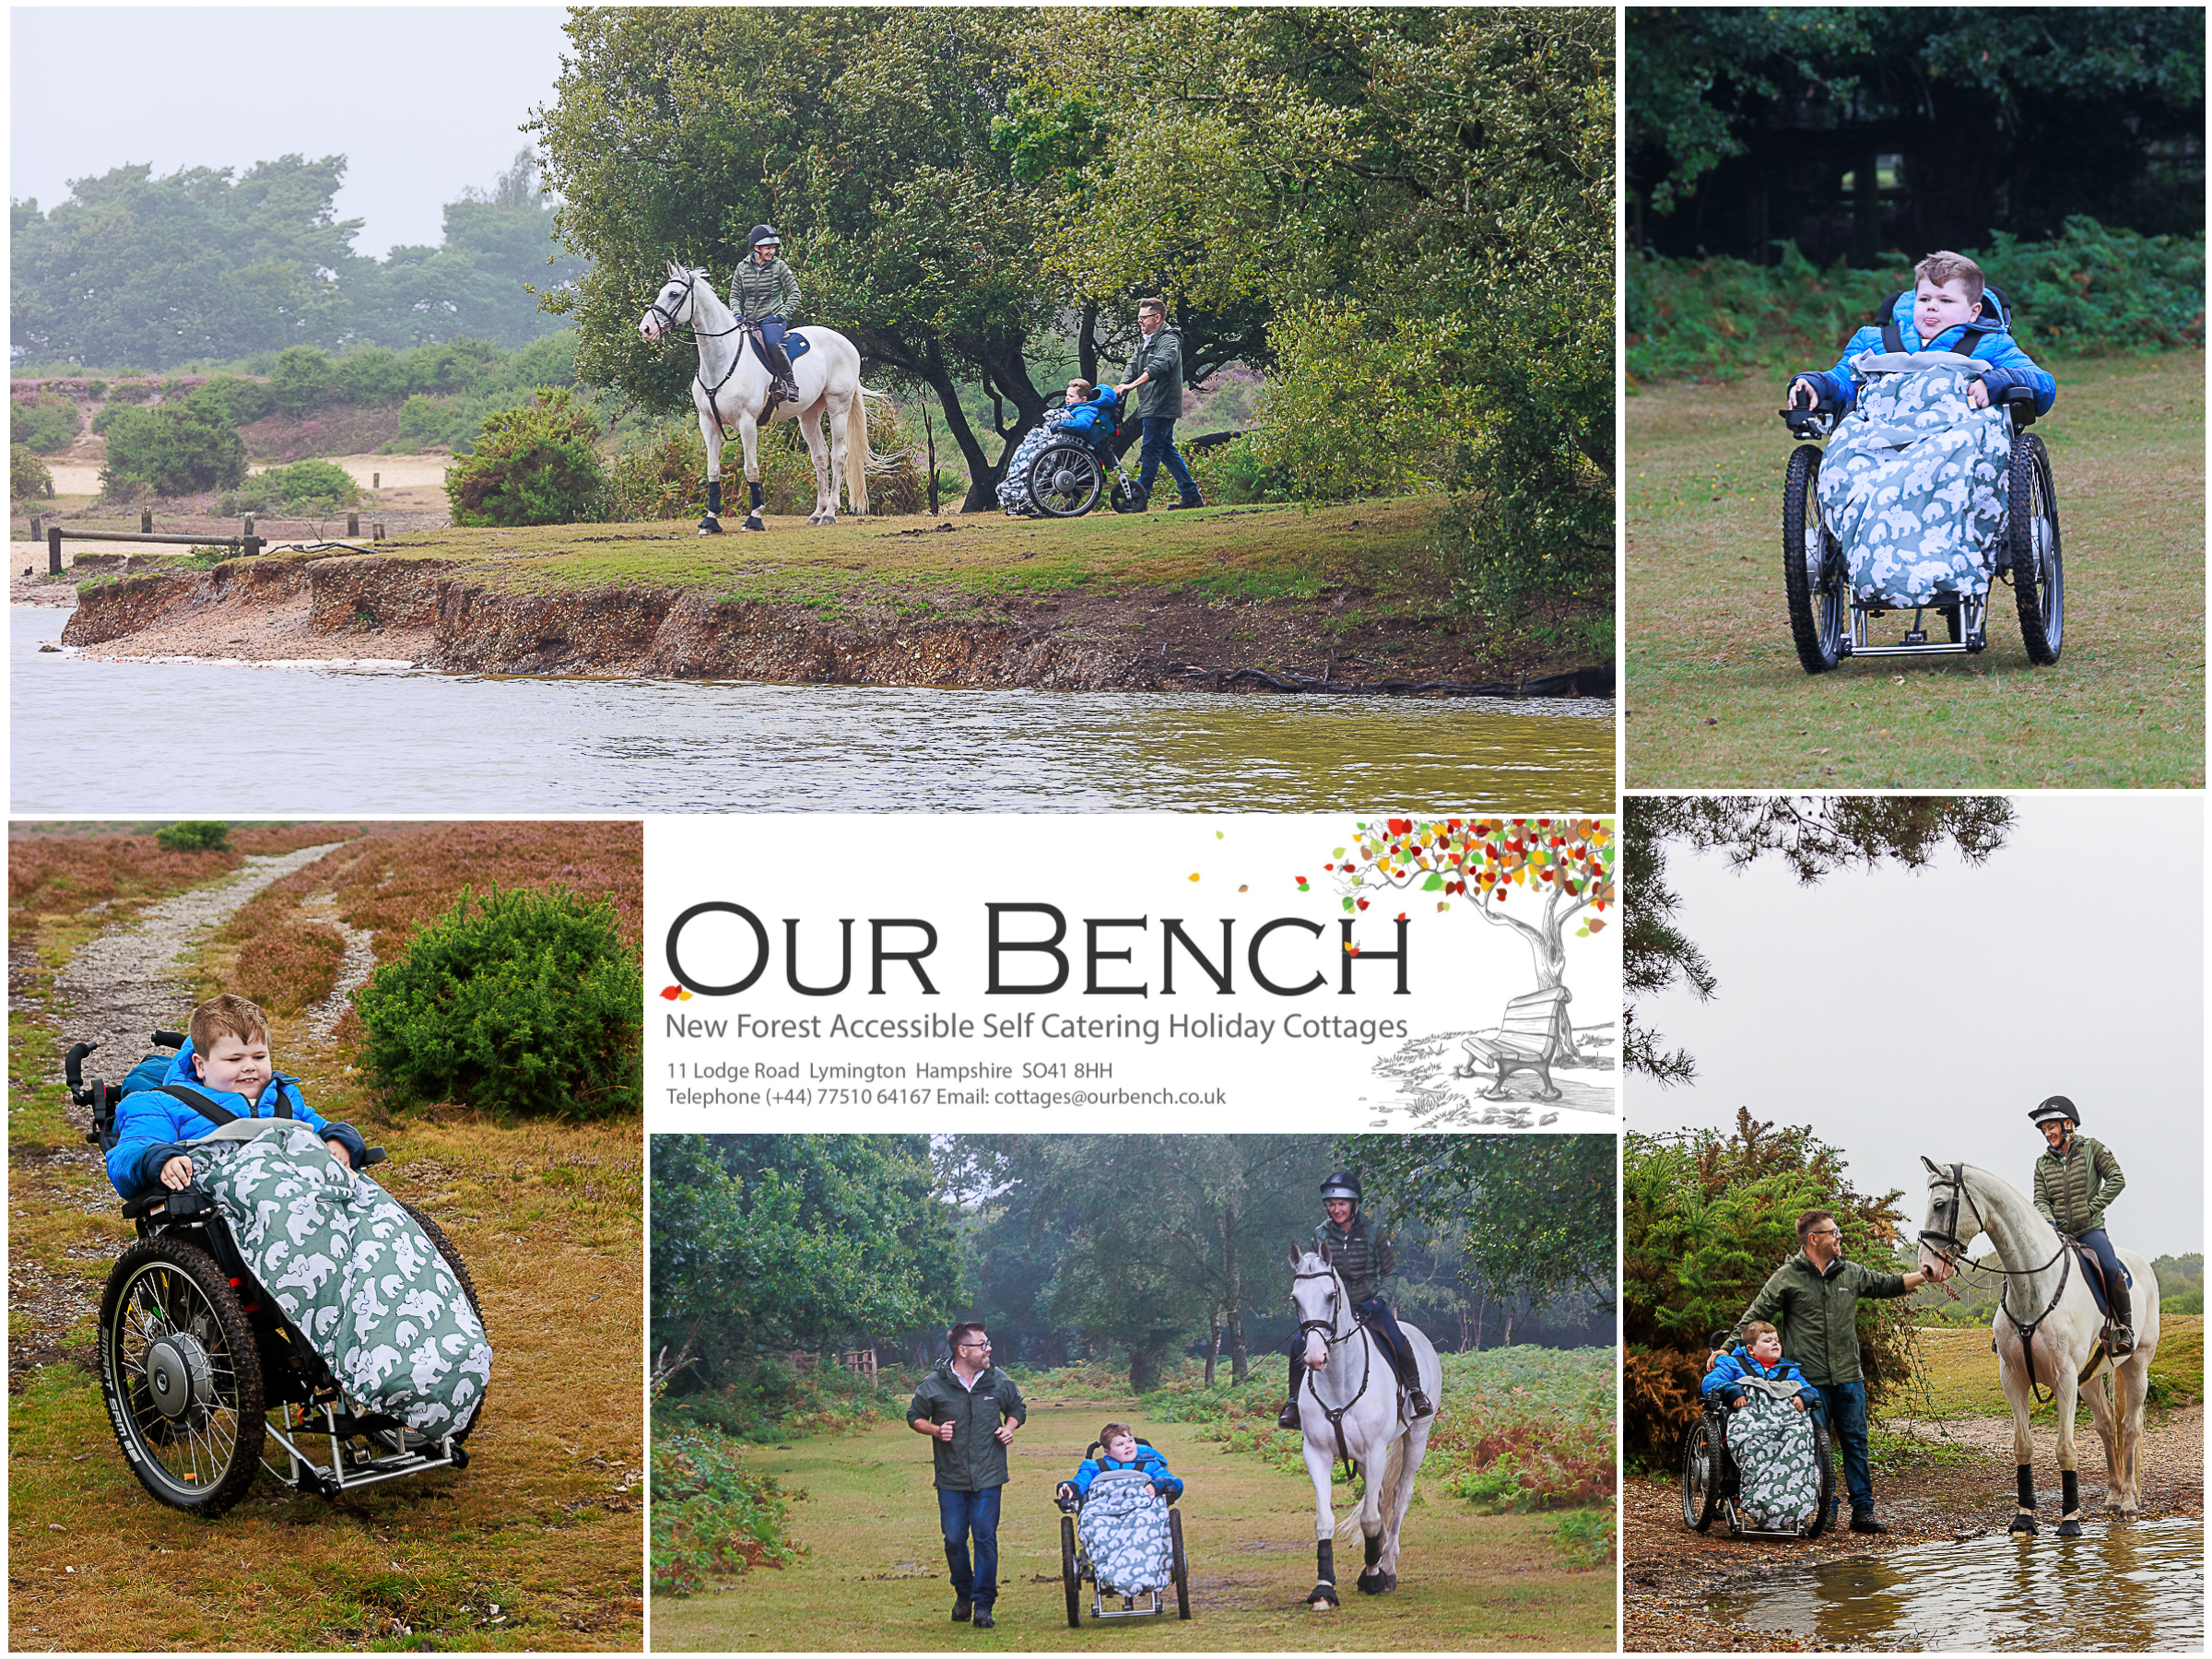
[
  {"x": 1953, "y": 1222},
  {"x": 1317, "y": 1293},
  {"x": 673, "y": 305}
]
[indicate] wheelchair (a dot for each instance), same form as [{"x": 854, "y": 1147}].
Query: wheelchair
[
  {"x": 1827, "y": 623},
  {"x": 1066, "y": 477},
  {"x": 1076, "y": 1566},
  {"x": 200, "y": 1369},
  {"x": 1711, "y": 1483}
]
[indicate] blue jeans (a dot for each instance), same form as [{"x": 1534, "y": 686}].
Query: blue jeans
[
  {"x": 961, "y": 1514},
  {"x": 1159, "y": 445},
  {"x": 2113, "y": 1272},
  {"x": 1845, "y": 1405}
]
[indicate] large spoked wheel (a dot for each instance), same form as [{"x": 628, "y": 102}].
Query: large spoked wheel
[
  {"x": 1069, "y": 1576},
  {"x": 1824, "y": 1454},
  {"x": 1701, "y": 1494},
  {"x": 1812, "y": 567},
  {"x": 406, "y": 1439},
  {"x": 2038, "y": 578},
  {"x": 1181, "y": 1566},
  {"x": 1066, "y": 481},
  {"x": 182, "y": 1376}
]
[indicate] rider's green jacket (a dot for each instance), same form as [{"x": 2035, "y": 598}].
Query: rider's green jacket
[
  {"x": 763, "y": 290},
  {"x": 1160, "y": 356},
  {"x": 1362, "y": 1263},
  {"x": 2073, "y": 1187},
  {"x": 1817, "y": 1313},
  {"x": 972, "y": 1460}
]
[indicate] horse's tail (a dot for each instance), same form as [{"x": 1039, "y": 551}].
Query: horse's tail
[
  {"x": 856, "y": 450},
  {"x": 1393, "y": 1468}
]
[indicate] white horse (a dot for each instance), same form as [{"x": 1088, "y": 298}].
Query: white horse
[
  {"x": 1351, "y": 1411},
  {"x": 732, "y": 384},
  {"x": 2047, "y": 1333}
]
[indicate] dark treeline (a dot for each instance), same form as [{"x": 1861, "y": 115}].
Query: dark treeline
[
  {"x": 138, "y": 271},
  {"x": 1135, "y": 1252},
  {"x": 1858, "y": 129}
]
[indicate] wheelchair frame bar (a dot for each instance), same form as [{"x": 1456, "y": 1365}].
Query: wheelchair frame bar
[
  {"x": 1973, "y": 623},
  {"x": 391, "y": 1466},
  {"x": 1098, "y": 1610}
]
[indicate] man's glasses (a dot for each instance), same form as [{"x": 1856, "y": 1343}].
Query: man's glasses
[{"x": 975, "y": 1345}]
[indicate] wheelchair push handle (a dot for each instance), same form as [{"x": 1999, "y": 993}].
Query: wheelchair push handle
[{"x": 73, "y": 1064}]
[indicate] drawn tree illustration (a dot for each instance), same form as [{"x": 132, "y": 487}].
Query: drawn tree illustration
[{"x": 1563, "y": 866}]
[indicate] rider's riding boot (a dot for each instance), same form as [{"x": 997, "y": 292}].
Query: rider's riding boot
[
  {"x": 1419, "y": 1401},
  {"x": 1288, "y": 1416},
  {"x": 787, "y": 384},
  {"x": 2123, "y": 1317}
]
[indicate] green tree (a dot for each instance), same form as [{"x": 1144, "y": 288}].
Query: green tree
[
  {"x": 173, "y": 449},
  {"x": 26, "y": 474},
  {"x": 1812, "y": 835},
  {"x": 766, "y": 1242}
]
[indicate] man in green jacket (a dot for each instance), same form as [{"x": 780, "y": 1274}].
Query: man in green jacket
[
  {"x": 1156, "y": 376},
  {"x": 1813, "y": 1298},
  {"x": 764, "y": 293},
  {"x": 970, "y": 1409},
  {"x": 2074, "y": 1181}
]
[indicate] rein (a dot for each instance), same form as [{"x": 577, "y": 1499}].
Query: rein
[
  {"x": 1330, "y": 1337},
  {"x": 1948, "y": 1247},
  {"x": 675, "y": 322}
]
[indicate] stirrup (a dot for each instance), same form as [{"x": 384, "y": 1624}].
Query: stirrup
[
  {"x": 1419, "y": 1404},
  {"x": 1287, "y": 1418},
  {"x": 2121, "y": 1341}
]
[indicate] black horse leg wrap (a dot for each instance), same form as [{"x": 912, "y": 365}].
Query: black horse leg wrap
[
  {"x": 2069, "y": 1489},
  {"x": 714, "y": 497},
  {"x": 753, "y": 486},
  {"x": 1324, "y": 1560},
  {"x": 1374, "y": 1549},
  {"x": 2026, "y": 1474}
]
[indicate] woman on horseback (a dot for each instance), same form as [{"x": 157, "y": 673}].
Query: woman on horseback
[
  {"x": 2074, "y": 1181},
  {"x": 764, "y": 293},
  {"x": 1364, "y": 1263}
]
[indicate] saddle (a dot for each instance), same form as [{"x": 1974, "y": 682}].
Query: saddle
[
  {"x": 2092, "y": 1274},
  {"x": 795, "y": 346}
]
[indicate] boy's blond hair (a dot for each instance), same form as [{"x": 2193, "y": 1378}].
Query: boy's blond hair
[
  {"x": 226, "y": 1016},
  {"x": 1083, "y": 388},
  {"x": 1943, "y": 266},
  {"x": 1758, "y": 1328},
  {"x": 1113, "y": 1431}
]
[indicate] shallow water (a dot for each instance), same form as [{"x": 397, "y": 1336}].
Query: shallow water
[
  {"x": 120, "y": 736},
  {"x": 2118, "y": 1587}
]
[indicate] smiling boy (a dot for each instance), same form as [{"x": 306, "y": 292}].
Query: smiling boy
[{"x": 1945, "y": 311}]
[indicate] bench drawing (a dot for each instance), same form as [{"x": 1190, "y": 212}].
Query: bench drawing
[{"x": 1528, "y": 1039}]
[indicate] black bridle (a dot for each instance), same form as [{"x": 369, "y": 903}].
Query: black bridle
[
  {"x": 698, "y": 334},
  {"x": 1948, "y": 1247},
  {"x": 1330, "y": 1337}
]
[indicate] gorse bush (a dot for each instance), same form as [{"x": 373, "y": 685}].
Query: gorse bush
[
  {"x": 533, "y": 465},
  {"x": 174, "y": 450},
  {"x": 195, "y": 836},
  {"x": 2092, "y": 289},
  {"x": 1235, "y": 473},
  {"x": 303, "y": 486},
  {"x": 523, "y": 1004},
  {"x": 711, "y": 1514},
  {"x": 26, "y": 474},
  {"x": 42, "y": 424}
]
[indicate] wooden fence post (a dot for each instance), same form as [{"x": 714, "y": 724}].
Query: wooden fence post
[
  {"x": 145, "y": 520},
  {"x": 36, "y": 534},
  {"x": 376, "y": 480},
  {"x": 353, "y": 523},
  {"x": 54, "y": 550}
]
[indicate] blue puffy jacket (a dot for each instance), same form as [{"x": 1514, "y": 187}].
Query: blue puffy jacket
[
  {"x": 1733, "y": 1367},
  {"x": 151, "y": 1127},
  {"x": 1150, "y": 1461},
  {"x": 1093, "y": 418},
  {"x": 1987, "y": 338}
]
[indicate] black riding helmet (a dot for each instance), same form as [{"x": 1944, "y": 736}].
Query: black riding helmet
[
  {"x": 2056, "y": 1107},
  {"x": 763, "y": 233},
  {"x": 1342, "y": 1184}
]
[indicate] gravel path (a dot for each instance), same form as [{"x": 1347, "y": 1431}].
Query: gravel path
[{"x": 129, "y": 980}]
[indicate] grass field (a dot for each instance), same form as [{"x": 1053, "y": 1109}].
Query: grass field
[
  {"x": 1960, "y": 1374},
  {"x": 538, "y": 1543},
  {"x": 1716, "y": 697},
  {"x": 873, "y": 1576}
]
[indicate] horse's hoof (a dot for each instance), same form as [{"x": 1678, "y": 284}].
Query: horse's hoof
[
  {"x": 1371, "y": 1584},
  {"x": 1322, "y": 1601},
  {"x": 752, "y": 522},
  {"x": 710, "y": 525},
  {"x": 2069, "y": 1529},
  {"x": 2022, "y": 1524}
]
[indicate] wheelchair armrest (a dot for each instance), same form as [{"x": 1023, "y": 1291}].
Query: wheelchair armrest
[
  {"x": 2019, "y": 401},
  {"x": 193, "y": 1200},
  {"x": 1816, "y": 422},
  {"x": 374, "y": 1155}
]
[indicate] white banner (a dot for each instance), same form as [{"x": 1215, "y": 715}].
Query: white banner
[{"x": 1130, "y": 974}]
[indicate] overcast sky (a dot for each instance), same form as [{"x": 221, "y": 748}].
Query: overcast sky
[
  {"x": 1902, "y": 1015},
  {"x": 420, "y": 101}
]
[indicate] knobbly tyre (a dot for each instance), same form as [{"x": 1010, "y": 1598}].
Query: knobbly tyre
[{"x": 199, "y": 1365}]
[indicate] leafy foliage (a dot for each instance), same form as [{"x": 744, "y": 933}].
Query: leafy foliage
[
  {"x": 41, "y": 424},
  {"x": 1815, "y": 836},
  {"x": 26, "y": 474},
  {"x": 2092, "y": 289},
  {"x": 1360, "y": 405},
  {"x": 538, "y": 464},
  {"x": 193, "y": 836},
  {"x": 711, "y": 1514},
  {"x": 173, "y": 449},
  {"x": 1235, "y": 473},
  {"x": 1705, "y": 1219},
  {"x": 304, "y": 485},
  {"x": 525, "y": 1003}
]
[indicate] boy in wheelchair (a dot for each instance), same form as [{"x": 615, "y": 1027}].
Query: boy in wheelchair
[
  {"x": 364, "y": 1279},
  {"x": 1120, "y": 1449},
  {"x": 1915, "y": 484},
  {"x": 1759, "y": 1354}
]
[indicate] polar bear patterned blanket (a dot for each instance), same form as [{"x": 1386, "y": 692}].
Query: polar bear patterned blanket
[
  {"x": 1776, "y": 1462},
  {"x": 1125, "y": 1532},
  {"x": 354, "y": 1271},
  {"x": 1914, "y": 482}
]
